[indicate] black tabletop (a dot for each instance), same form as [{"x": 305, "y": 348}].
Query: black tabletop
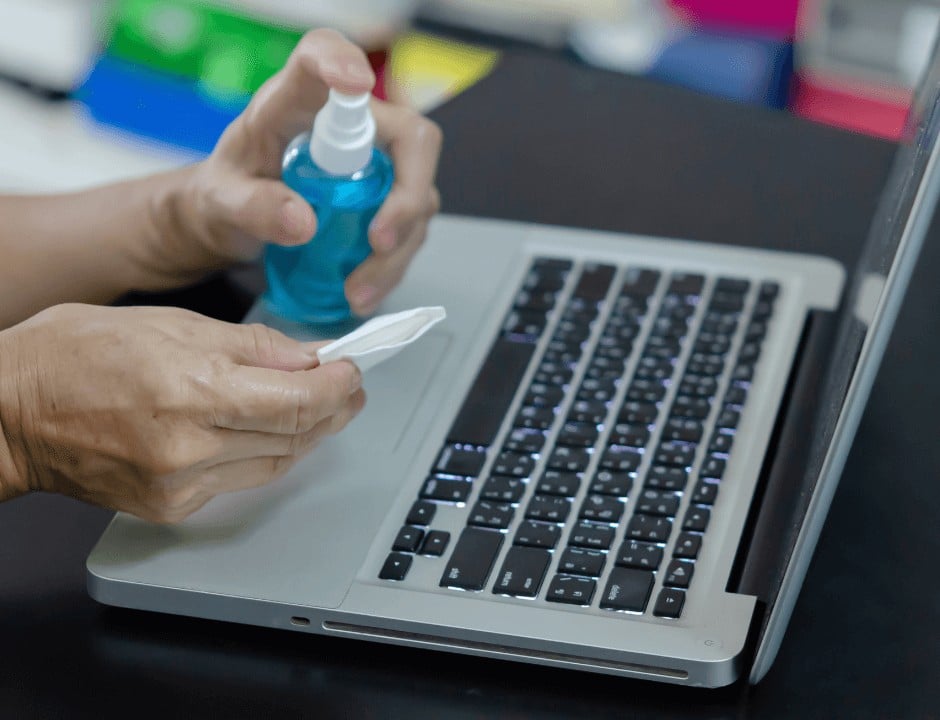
[{"x": 546, "y": 140}]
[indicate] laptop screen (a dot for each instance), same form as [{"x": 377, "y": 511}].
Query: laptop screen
[{"x": 871, "y": 306}]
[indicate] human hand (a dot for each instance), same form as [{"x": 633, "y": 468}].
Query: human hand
[
  {"x": 234, "y": 201},
  {"x": 154, "y": 411}
]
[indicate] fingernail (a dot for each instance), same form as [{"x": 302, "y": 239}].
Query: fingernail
[
  {"x": 294, "y": 217},
  {"x": 328, "y": 67},
  {"x": 356, "y": 381},
  {"x": 357, "y": 72}
]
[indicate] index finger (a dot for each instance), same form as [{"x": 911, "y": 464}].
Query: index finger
[
  {"x": 277, "y": 401},
  {"x": 285, "y": 105}
]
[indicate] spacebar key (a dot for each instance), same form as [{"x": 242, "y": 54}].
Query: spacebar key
[
  {"x": 472, "y": 560},
  {"x": 491, "y": 393}
]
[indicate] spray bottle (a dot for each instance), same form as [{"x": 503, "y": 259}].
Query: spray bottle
[{"x": 340, "y": 172}]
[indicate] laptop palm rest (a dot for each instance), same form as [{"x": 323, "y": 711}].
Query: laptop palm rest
[{"x": 255, "y": 532}]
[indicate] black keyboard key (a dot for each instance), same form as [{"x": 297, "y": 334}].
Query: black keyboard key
[
  {"x": 522, "y": 571},
  {"x": 653, "y": 368},
  {"x": 503, "y": 489},
  {"x": 408, "y": 539},
  {"x": 756, "y": 331},
  {"x": 701, "y": 367},
  {"x": 620, "y": 458},
  {"x": 654, "y": 502},
  {"x": 698, "y": 385},
  {"x": 721, "y": 443},
  {"x": 742, "y": 373},
  {"x": 525, "y": 325},
  {"x": 687, "y": 406},
  {"x": 601, "y": 508},
  {"x": 492, "y": 392},
  {"x": 613, "y": 349},
  {"x": 629, "y": 434},
  {"x": 646, "y": 391},
  {"x": 544, "y": 395},
  {"x": 594, "y": 282},
  {"x": 667, "y": 478},
  {"x": 547, "y": 274},
  {"x": 577, "y": 561},
  {"x": 571, "y": 590},
  {"x": 591, "y": 535},
  {"x": 669, "y": 603},
  {"x": 768, "y": 290},
  {"x": 683, "y": 430},
  {"x": 713, "y": 467},
  {"x": 679, "y": 574},
  {"x": 763, "y": 309},
  {"x": 597, "y": 390},
  {"x": 578, "y": 434},
  {"x": 636, "y": 554},
  {"x": 549, "y": 508},
  {"x": 647, "y": 527},
  {"x": 705, "y": 493},
  {"x": 535, "y": 300},
  {"x": 435, "y": 543},
  {"x": 728, "y": 418},
  {"x": 552, "y": 373},
  {"x": 737, "y": 286},
  {"x": 525, "y": 440},
  {"x": 638, "y": 413},
  {"x": 537, "y": 534},
  {"x": 536, "y": 418},
  {"x": 421, "y": 513},
  {"x": 726, "y": 302},
  {"x": 688, "y": 545},
  {"x": 513, "y": 464},
  {"x": 472, "y": 559},
  {"x": 627, "y": 589},
  {"x": 588, "y": 411},
  {"x": 674, "y": 454},
  {"x": 446, "y": 489},
  {"x": 696, "y": 518},
  {"x": 489, "y": 514},
  {"x": 569, "y": 458},
  {"x": 749, "y": 353},
  {"x": 736, "y": 395},
  {"x": 639, "y": 282},
  {"x": 558, "y": 482},
  {"x": 396, "y": 567},
  {"x": 461, "y": 460},
  {"x": 617, "y": 484},
  {"x": 686, "y": 284}
]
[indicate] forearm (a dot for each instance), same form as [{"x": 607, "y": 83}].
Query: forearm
[
  {"x": 89, "y": 246},
  {"x": 12, "y": 482}
]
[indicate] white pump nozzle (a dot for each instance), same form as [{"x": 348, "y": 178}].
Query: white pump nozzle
[{"x": 343, "y": 134}]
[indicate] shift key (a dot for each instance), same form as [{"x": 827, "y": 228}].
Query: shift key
[{"x": 472, "y": 559}]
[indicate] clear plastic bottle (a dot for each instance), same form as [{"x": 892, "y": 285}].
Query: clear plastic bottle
[{"x": 337, "y": 169}]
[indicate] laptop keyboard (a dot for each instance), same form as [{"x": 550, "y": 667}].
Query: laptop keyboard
[{"x": 602, "y": 481}]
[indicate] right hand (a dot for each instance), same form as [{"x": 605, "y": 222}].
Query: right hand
[{"x": 154, "y": 411}]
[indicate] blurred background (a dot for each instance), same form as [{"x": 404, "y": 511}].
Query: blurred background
[{"x": 96, "y": 90}]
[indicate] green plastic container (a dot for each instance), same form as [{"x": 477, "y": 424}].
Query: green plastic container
[{"x": 227, "y": 55}]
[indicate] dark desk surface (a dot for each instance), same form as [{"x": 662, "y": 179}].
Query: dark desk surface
[{"x": 548, "y": 141}]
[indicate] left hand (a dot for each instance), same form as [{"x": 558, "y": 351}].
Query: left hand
[{"x": 234, "y": 201}]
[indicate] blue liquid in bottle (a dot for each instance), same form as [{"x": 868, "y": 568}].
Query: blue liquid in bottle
[{"x": 306, "y": 282}]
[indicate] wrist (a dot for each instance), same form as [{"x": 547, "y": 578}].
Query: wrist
[
  {"x": 13, "y": 482},
  {"x": 175, "y": 250}
]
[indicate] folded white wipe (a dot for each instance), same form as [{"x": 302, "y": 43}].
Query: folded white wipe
[{"x": 382, "y": 337}]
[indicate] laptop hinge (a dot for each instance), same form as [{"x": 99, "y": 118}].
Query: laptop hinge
[{"x": 784, "y": 487}]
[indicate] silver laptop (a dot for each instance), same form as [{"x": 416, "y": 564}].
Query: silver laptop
[{"x": 616, "y": 455}]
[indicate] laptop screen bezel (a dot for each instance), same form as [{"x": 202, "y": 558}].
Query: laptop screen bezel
[{"x": 915, "y": 228}]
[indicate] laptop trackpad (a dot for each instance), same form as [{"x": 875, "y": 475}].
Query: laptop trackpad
[{"x": 303, "y": 538}]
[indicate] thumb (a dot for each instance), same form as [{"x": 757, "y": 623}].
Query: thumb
[
  {"x": 258, "y": 345},
  {"x": 267, "y": 210}
]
